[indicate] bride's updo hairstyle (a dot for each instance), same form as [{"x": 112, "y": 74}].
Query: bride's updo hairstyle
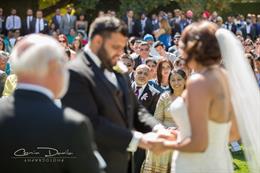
[{"x": 198, "y": 41}]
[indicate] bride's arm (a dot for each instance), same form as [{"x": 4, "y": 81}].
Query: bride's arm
[
  {"x": 198, "y": 102},
  {"x": 234, "y": 133}
]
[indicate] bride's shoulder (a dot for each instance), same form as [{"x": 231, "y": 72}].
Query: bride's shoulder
[
  {"x": 197, "y": 82},
  {"x": 196, "y": 78}
]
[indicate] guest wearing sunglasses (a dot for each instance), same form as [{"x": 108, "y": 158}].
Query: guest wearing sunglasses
[{"x": 144, "y": 51}]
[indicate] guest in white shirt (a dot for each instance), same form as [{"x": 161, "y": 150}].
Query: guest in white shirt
[{"x": 13, "y": 21}]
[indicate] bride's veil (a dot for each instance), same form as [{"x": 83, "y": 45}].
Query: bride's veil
[{"x": 245, "y": 95}]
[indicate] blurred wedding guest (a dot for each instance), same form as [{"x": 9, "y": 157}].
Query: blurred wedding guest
[
  {"x": 44, "y": 128},
  {"x": 230, "y": 24},
  {"x": 9, "y": 41},
  {"x": 257, "y": 47},
  {"x": 13, "y": 21},
  {"x": 155, "y": 22},
  {"x": 219, "y": 22},
  {"x": 180, "y": 64},
  {"x": 163, "y": 34},
  {"x": 2, "y": 21},
  {"x": 152, "y": 64},
  {"x": 133, "y": 25},
  {"x": 101, "y": 13},
  {"x": 249, "y": 46},
  {"x": 3, "y": 61},
  {"x": 144, "y": 51},
  {"x": 164, "y": 68},
  {"x": 56, "y": 19},
  {"x": 2, "y": 44},
  {"x": 251, "y": 58},
  {"x": 82, "y": 24},
  {"x": 189, "y": 15},
  {"x": 77, "y": 45},
  {"x": 150, "y": 40},
  {"x": 162, "y": 163},
  {"x": 68, "y": 21},
  {"x": 146, "y": 94},
  {"x": 54, "y": 34},
  {"x": 136, "y": 50},
  {"x": 146, "y": 25},
  {"x": 175, "y": 48},
  {"x": 129, "y": 63},
  {"x": 51, "y": 28},
  {"x": 27, "y": 22},
  {"x": 62, "y": 39},
  {"x": 249, "y": 29},
  {"x": 39, "y": 24},
  {"x": 148, "y": 97},
  {"x": 71, "y": 36},
  {"x": 130, "y": 45},
  {"x": 160, "y": 48},
  {"x": 10, "y": 85},
  {"x": 257, "y": 69},
  {"x": 83, "y": 37}
]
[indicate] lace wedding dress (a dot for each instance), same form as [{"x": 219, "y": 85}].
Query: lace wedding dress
[{"x": 216, "y": 158}]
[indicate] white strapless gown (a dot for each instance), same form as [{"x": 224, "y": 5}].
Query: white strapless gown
[{"x": 216, "y": 158}]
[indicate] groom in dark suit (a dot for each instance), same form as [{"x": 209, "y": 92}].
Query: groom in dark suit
[
  {"x": 105, "y": 95},
  {"x": 37, "y": 135}
]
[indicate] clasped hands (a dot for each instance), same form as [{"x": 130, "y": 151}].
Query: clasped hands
[{"x": 159, "y": 141}]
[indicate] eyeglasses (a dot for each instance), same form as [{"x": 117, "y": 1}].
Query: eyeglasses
[
  {"x": 62, "y": 41},
  {"x": 152, "y": 66},
  {"x": 142, "y": 72},
  {"x": 144, "y": 49}
]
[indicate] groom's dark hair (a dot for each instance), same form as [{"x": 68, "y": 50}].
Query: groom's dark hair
[{"x": 106, "y": 25}]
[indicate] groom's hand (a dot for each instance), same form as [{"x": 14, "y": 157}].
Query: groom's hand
[{"x": 145, "y": 140}]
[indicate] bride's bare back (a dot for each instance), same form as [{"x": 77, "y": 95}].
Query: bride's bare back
[{"x": 220, "y": 107}]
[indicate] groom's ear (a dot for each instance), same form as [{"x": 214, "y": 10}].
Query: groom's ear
[{"x": 97, "y": 40}]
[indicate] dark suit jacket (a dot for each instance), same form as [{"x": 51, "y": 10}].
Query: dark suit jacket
[
  {"x": 29, "y": 120},
  {"x": 138, "y": 61},
  {"x": 148, "y": 97},
  {"x": 113, "y": 112},
  {"x": 233, "y": 27},
  {"x": 55, "y": 21},
  {"x": 136, "y": 27},
  {"x": 25, "y": 29},
  {"x": 252, "y": 33},
  {"x": 148, "y": 29},
  {"x": 45, "y": 28}
]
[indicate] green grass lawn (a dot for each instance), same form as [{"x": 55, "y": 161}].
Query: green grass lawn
[{"x": 240, "y": 162}]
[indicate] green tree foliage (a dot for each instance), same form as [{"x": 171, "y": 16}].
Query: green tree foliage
[
  {"x": 141, "y": 5},
  {"x": 198, "y": 6},
  {"x": 47, "y": 3}
]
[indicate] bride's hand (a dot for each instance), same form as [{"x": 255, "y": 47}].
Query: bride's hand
[{"x": 168, "y": 134}]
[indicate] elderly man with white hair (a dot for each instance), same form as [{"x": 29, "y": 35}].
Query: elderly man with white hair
[{"x": 36, "y": 135}]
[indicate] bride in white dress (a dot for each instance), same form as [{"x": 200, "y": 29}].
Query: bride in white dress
[{"x": 206, "y": 111}]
